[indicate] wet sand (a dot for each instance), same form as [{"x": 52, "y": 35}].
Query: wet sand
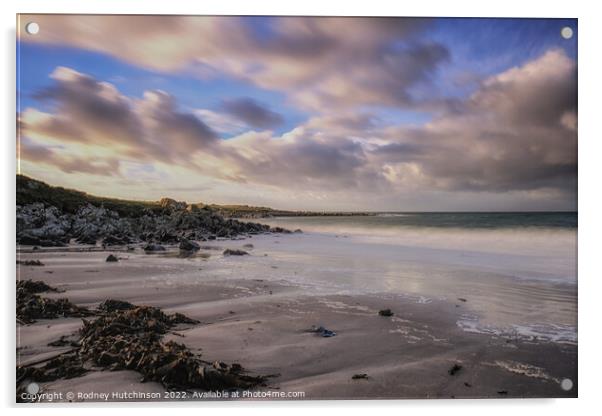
[{"x": 262, "y": 324}]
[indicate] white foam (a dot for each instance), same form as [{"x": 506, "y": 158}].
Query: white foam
[{"x": 561, "y": 334}]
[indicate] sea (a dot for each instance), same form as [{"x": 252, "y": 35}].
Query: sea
[{"x": 517, "y": 271}]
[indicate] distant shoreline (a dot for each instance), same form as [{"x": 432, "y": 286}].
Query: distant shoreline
[{"x": 63, "y": 198}]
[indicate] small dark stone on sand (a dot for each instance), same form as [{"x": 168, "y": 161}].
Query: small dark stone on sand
[
  {"x": 503, "y": 392},
  {"x": 462, "y": 299},
  {"x": 234, "y": 252},
  {"x": 385, "y": 312},
  {"x": 111, "y": 258},
  {"x": 454, "y": 369},
  {"x": 468, "y": 384},
  {"x": 359, "y": 376}
]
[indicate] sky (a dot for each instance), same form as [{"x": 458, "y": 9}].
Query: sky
[{"x": 307, "y": 113}]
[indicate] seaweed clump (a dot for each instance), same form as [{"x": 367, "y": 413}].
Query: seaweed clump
[
  {"x": 31, "y": 306},
  {"x": 129, "y": 337}
]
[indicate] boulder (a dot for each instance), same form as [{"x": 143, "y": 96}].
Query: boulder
[
  {"x": 188, "y": 245},
  {"x": 153, "y": 247}
]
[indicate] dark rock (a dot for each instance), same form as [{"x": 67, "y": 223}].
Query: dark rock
[
  {"x": 112, "y": 240},
  {"x": 87, "y": 239},
  {"x": 111, "y": 258},
  {"x": 385, "y": 312},
  {"x": 359, "y": 376},
  {"x": 462, "y": 299},
  {"x": 234, "y": 252},
  {"x": 28, "y": 240},
  {"x": 153, "y": 247},
  {"x": 188, "y": 245},
  {"x": 454, "y": 369}
]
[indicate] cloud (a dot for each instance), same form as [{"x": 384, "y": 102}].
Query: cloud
[
  {"x": 515, "y": 134},
  {"x": 219, "y": 122},
  {"x": 319, "y": 62},
  {"x": 252, "y": 113},
  {"x": 94, "y": 113},
  {"x": 96, "y": 106},
  {"x": 67, "y": 163},
  {"x": 300, "y": 157}
]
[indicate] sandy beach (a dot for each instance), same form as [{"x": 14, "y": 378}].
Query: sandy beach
[{"x": 257, "y": 310}]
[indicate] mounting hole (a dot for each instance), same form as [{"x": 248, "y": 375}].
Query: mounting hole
[
  {"x": 566, "y": 384},
  {"x": 33, "y": 388},
  {"x": 32, "y": 28},
  {"x": 566, "y": 32}
]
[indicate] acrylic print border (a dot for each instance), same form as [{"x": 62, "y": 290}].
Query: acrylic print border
[{"x": 309, "y": 158}]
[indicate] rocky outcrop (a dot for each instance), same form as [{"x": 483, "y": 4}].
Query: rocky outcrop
[
  {"x": 42, "y": 225},
  {"x": 172, "y": 204}
]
